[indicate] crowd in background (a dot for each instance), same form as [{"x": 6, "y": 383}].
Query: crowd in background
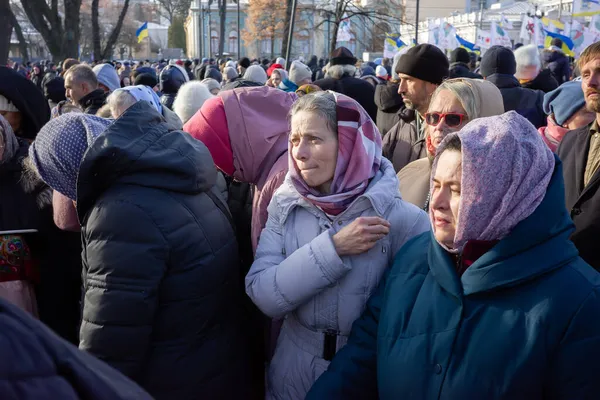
[{"x": 416, "y": 227}]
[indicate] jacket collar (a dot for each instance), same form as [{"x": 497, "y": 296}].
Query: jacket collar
[
  {"x": 503, "y": 81},
  {"x": 537, "y": 245},
  {"x": 95, "y": 97},
  {"x": 379, "y": 195}
]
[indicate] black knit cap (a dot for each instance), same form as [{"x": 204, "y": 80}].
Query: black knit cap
[
  {"x": 342, "y": 56},
  {"x": 425, "y": 62},
  {"x": 498, "y": 60},
  {"x": 244, "y": 62},
  {"x": 556, "y": 42},
  {"x": 460, "y": 55}
]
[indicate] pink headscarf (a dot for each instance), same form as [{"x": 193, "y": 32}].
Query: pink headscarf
[{"x": 359, "y": 158}]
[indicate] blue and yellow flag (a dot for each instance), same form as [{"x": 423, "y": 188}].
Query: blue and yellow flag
[
  {"x": 467, "y": 45},
  {"x": 142, "y": 32},
  {"x": 567, "y": 46}
]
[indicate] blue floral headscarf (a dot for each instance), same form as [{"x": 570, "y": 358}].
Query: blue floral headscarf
[{"x": 59, "y": 147}]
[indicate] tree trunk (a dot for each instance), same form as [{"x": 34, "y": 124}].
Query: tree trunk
[
  {"x": 222, "y": 17},
  {"x": 333, "y": 43},
  {"x": 96, "y": 45},
  {"x": 23, "y": 46},
  {"x": 5, "y": 30},
  {"x": 71, "y": 29},
  {"x": 273, "y": 46},
  {"x": 286, "y": 27},
  {"x": 114, "y": 35}
]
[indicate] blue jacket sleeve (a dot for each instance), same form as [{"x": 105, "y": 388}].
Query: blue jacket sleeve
[
  {"x": 125, "y": 255},
  {"x": 574, "y": 369},
  {"x": 353, "y": 372}
]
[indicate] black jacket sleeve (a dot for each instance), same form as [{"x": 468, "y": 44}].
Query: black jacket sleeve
[{"x": 125, "y": 257}]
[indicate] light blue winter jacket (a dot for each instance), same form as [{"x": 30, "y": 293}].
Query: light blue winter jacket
[{"x": 298, "y": 275}]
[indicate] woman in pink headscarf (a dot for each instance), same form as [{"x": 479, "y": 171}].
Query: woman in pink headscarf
[{"x": 334, "y": 226}]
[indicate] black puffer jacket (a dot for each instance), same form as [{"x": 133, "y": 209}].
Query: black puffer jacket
[
  {"x": 544, "y": 82},
  {"x": 558, "y": 63},
  {"x": 171, "y": 79},
  {"x": 36, "y": 364},
  {"x": 389, "y": 106},
  {"x": 527, "y": 102},
  {"x": 461, "y": 70},
  {"x": 163, "y": 299},
  {"x": 93, "y": 101}
]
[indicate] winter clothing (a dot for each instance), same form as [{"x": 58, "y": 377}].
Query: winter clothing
[
  {"x": 39, "y": 365},
  {"x": 544, "y": 81},
  {"x": 38, "y": 78},
  {"x": 93, "y": 101},
  {"x": 583, "y": 202},
  {"x": 358, "y": 89},
  {"x": 460, "y": 55},
  {"x": 190, "y": 99},
  {"x": 213, "y": 73},
  {"x": 107, "y": 75},
  {"x": 425, "y": 62},
  {"x": 395, "y": 76},
  {"x": 255, "y": 73},
  {"x": 564, "y": 102},
  {"x": 24, "y": 95},
  {"x": 498, "y": 60},
  {"x": 280, "y": 61},
  {"x": 528, "y": 62},
  {"x": 158, "y": 310},
  {"x": 54, "y": 91},
  {"x": 299, "y": 72},
  {"x": 57, "y": 153},
  {"x": 526, "y": 328},
  {"x": 273, "y": 67},
  {"x": 144, "y": 93},
  {"x": 288, "y": 86},
  {"x": 172, "y": 78},
  {"x": 240, "y": 83},
  {"x": 342, "y": 56},
  {"x": 558, "y": 63},
  {"x": 211, "y": 84},
  {"x": 244, "y": 62},
  {"x": 552, "y": 134},
  {"x": 405, "y": 141},
  {"x": 461, "y": 70},
  {"x": 389, "y": 106},
  {"x": 230, "y": 74},
  {"x": 281, "y": 283},
  {"x": 526, "y": 102},
  {"x": 381, "y": 73},
  {"x": 7, "y": 105},
  {"x": 222, "y": 125},
  {"x": 511, "y": 194}
]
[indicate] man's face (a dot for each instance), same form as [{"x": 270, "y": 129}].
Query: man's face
[
  {"x": 415, "y": 92},
  {"x": 590, "y": 83},
  {"x": 75, "y": 90}
]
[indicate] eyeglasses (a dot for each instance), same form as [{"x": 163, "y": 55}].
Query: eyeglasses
[{"x": 452, "y": 119}]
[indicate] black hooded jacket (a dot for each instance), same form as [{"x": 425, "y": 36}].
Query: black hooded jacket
[
  {"x": 544, "y": 82},
  {"x": 171, "y": 79},
  {"x": 461, "y": 70},
  {"x": 93, "y": 101},
  {"x": 526, "y": 102},
  {"x": 558, "y": 63},
  {"x": 389, "y": 106},
  {"x": 163, "y": 299},
  {"x": 28, "y": 99}
]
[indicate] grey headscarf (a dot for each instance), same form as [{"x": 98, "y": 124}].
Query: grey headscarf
[{"x": 9, "y": 140}]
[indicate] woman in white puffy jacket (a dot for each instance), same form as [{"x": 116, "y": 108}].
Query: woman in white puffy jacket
[{"x": 334, "y": 226}]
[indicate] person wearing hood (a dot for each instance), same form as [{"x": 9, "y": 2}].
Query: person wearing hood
[
  {"x": 22, "y": 104},
  {"x": 368, "y": 74},
  {"x": 455, "y": 103},
  {"x": 37, "y": 76},
  {"x": 340, "y": 78},
  {"x": 108, "y": 80},
  {"x": 338, "y": 207},
  {"x": 255, "y": 73},
  {"x": 54, "y": 91},
  {"x": 213, "y": 73},
  {"x": 161, "y": 277},
  {"x": 273, "y": 67},
  {"x": 299, "y": 74},
  {"x": 172, "y": 78},
  {"x": 390, "y": 107},
  {"x": 529, "y": 70},
  {"x": 81, "y": 84},
  {"x": 557, "y": 62},
  {"x": 276, "y": 78},
  {"x": 382, "y": 74},
  {"x": 421, "y": 70},
  {"x": 212, "y": 85},
  {"x": 459, "y": 65},
  {"x": 495, "y": 302},
  {"x": 567, "y": 111},
  {"x": 499, "y": 66},
  {"x": 229, "y": 75},
  {"x": 190, "y": 99}
]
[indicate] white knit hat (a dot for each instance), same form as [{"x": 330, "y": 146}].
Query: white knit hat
[
  {"x": 190, "y": 98},
  {"x": 280, "y": 61},
  {"x": 299, "y": 72},
  {"x": 381, "y": 72},
  {"x": 528, "y": 61},
  {"x": 6, "y": 105}
]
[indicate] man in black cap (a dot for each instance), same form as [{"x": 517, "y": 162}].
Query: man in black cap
[
  {"x": 340, "y": 77},
  {"x": 460, "y": 61},
  {"x": 499, "y": 66},
  {"x": 421, "y": 70}
]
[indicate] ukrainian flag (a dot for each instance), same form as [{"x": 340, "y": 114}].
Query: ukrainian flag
[
  {"x": 467, "y": 45},
  {"x": 567, "y": 46},
  {"x": 142, "y": 32}
]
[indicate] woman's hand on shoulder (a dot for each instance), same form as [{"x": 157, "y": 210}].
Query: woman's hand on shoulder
[{"x": 360, "y": 235}]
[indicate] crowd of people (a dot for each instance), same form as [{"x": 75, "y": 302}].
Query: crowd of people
[{"x": 416, "y": 227}]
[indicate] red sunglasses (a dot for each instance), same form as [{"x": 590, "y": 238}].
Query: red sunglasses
[{"x": 452, "y": 119}]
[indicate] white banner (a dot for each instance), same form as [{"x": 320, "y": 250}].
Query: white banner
[
  {"x": 344, "y": 30},
  {"x": 483, "y": 39},
  {"x": 526, "y": 29},
  {"x": 505, "y": 23},
  {"x": 586, "y": 7},
  {"x": 498, "y": 36},
  {"x": 539, "y": 36}
]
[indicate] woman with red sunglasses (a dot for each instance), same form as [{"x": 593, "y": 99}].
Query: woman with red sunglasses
[{"x": 454, "y": 103}]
